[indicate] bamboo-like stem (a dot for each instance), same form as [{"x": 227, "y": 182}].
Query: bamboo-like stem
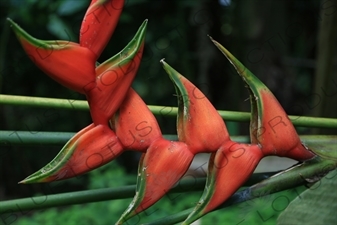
[
  {"x": 27, "y": 138},
  {"x": 103, "y": 194},
  {"x": 64, "y": 199},
  {"x": 41, "y": 102},
  {"x": 72, "y": 104},
  {"x": 60, "y": 138}
]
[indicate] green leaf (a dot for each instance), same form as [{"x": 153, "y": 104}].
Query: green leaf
[
  {"x": 317, "y": 205},
  {"x": 326, "y": 148}
]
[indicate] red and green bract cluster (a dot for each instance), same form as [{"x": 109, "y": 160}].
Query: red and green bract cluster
[{"x": 122, "y": 121}]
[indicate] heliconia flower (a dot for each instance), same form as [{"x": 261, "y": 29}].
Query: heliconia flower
[
  {"x": 74, "y": 67},
  {"x": 99, "y": 23},
  {"x": 199, "y": 124},
  {"x": 90, "y": 148},
  {"x": 163, "y": 162},
  {"x": 72, "y": 64},
  {"x": 228, "y": 169},
  {"x": 233, "y": 163},
  {"x": 66, "y": 62},
  {"x": 97, "y": 144},
  {"x": 270, "y": 126},
  {"x": 201, "y": 127},
  {"x": 114, "y": 78}
]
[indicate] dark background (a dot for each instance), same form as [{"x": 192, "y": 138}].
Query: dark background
[{"x": 283, "y": 42}]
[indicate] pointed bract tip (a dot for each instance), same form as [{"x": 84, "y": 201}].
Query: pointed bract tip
[
  {"x": 127, "y": 53},
  {"x": 16, "y": 28},
  {"x": 23, "y": 36},
  {"x": 10, "y": 20},
  {"x": 169, "y": 70},
  {"x": 132, "y": 48},
  {"x": 195, "y": 111},
  {"x": 175, "y": 78},
  {"x": 144, "y": 24},
  {"x": 247, "y": 76},
  {"x": 106, "y": 99},
  {"x": 281, "y": 140},
  {"x": 90, "y": 148},
  {"x": 140, "y": 35}
]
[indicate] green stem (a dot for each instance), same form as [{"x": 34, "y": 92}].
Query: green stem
[
  {"x": 26, "y": 138},
  {"x": 72, "y": 104},
  {"x": 47, "y": 201},
  {"x": 80, "y": 197},
  {"x": 44, "y": 102}
]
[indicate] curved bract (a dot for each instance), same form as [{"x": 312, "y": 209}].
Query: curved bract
[
  {"x": 199, "y": 124},
  {"x": 73, "y": 65},
  {"x": 272, "y": 133},
  {"x": 134, "y": 123},
  {"x": 89, "y": 149},
  {"x": 157, "y": 175},
  {"x": 203, "y": 130},
  {"x": 114, "y": 78},
  {"x": 138, "y": 130},
  {"x": 66, "y": 62},
  {"x": 270, "y": 125},
  {"x": 228, "y": 169},
  {"x": 99, "y": 23}
]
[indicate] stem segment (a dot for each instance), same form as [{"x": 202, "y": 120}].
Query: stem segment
[{"x": 302, "y": 121}]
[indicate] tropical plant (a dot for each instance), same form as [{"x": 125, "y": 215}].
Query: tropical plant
[{"x": 122, "y": 121}]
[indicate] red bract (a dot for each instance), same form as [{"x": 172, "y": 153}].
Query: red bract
[
  {"x": 203, "y": 130},
  {"x": 163, "y": 162},
  {"x": 73, "y": 65},
  {"x": 228, "y": 169},
  {"x": 270, "y": 125},
  {"x": 160, "y": 168},
  {"x": 133, "y": 127},
  {"x": 66, "y": 62},
  {"x": 199, "y": 124},
  {"x": 134, "y": 124},
  {"x": 90, "y": 148},
  {"x": 114, "y": 78},
  {"x": 233, "y": 163},
  {"x": 100, "y": 143},
  {"x": 99, "y": 23}
]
